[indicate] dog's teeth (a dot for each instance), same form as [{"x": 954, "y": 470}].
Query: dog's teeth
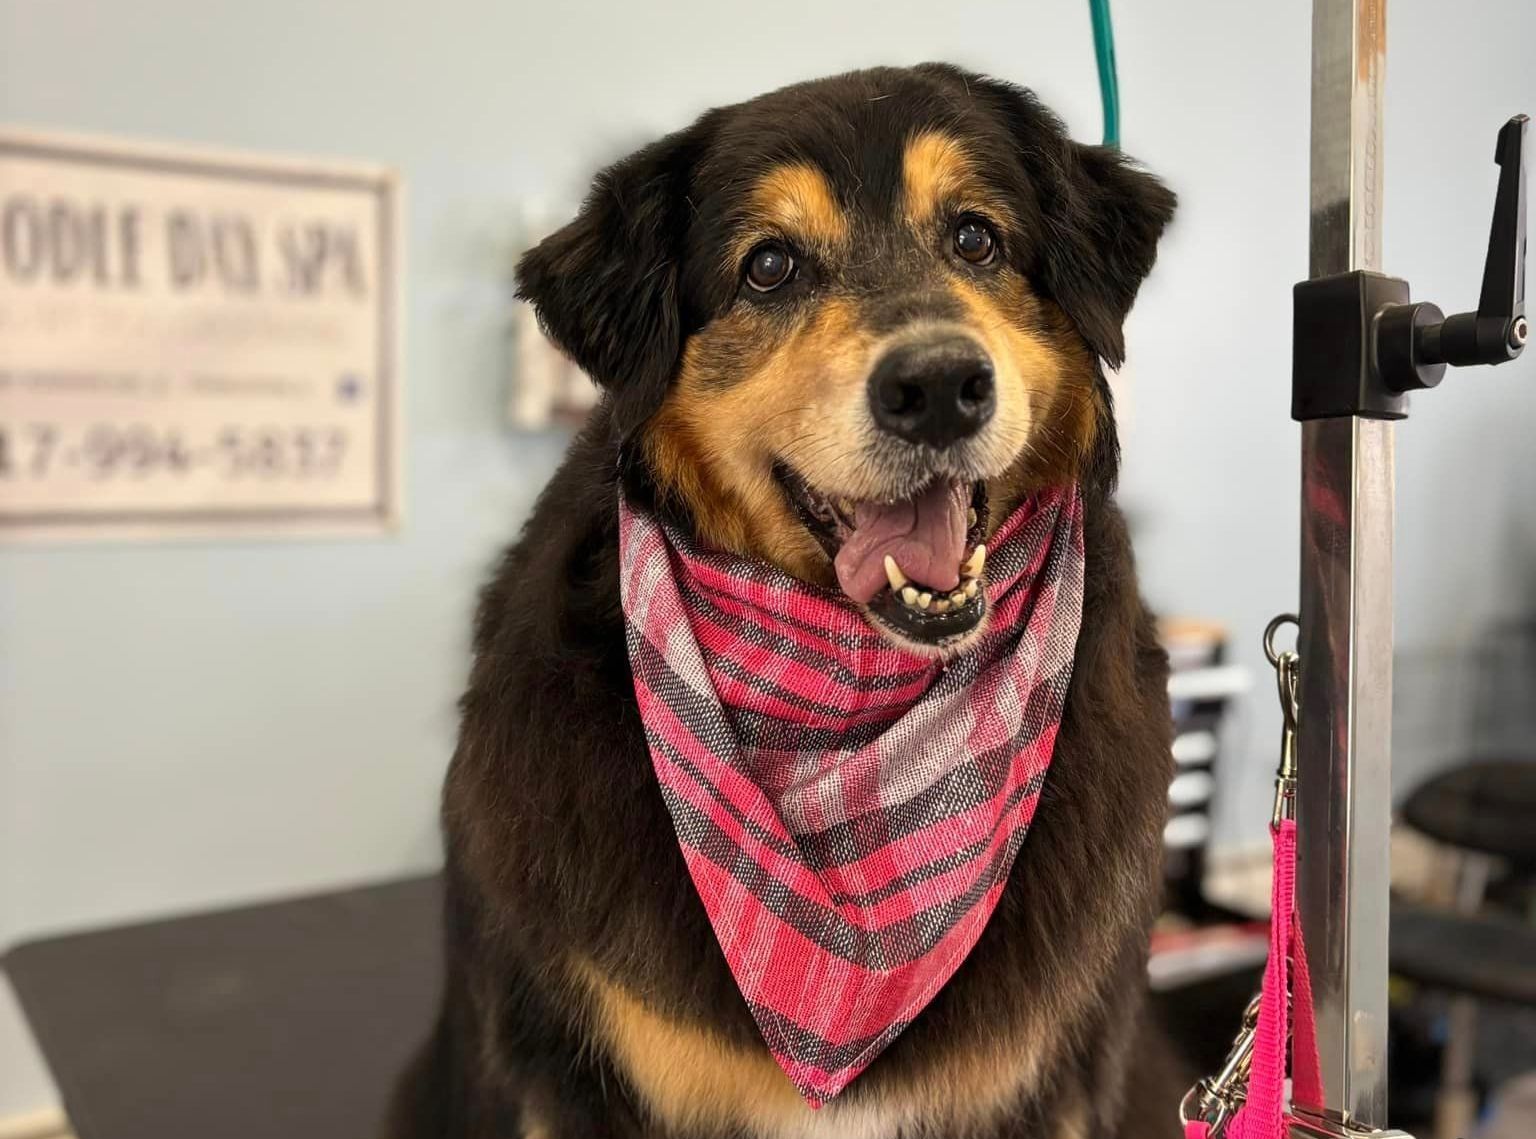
[
  {"x": 909, "y": 595},
  {"x": 941, "y": 605},
  {"x": 957, "y": 598},
  {"x": 972, "y": 587},
  {"x": 970, "y": 517},
  {"x": 924, "y": 600},
  {"x": 894, "y": 574},
  {"x": 973, "y": 566}
]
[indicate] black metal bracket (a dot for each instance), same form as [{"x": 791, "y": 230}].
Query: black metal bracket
[{"x": 1359, "y": 344}]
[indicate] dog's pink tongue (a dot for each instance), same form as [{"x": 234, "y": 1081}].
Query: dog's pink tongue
[{"x": 926, "y": 536}]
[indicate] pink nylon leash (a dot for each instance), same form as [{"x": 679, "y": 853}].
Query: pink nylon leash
[
  {"x": 1254, "y": 1076},
  {"x": 1262, "y": 1115},
  {"x": 1306, "y": 1067}
]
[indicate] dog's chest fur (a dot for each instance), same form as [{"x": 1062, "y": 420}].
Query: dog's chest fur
[
  {"x": 693, "y": 1082},
  {"x": 594, "y": 996}
]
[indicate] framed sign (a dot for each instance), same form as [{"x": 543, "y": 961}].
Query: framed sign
[{"x": 194, "y": 343}]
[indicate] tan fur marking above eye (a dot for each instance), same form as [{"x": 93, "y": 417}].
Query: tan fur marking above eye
[
  {"x": 796, "y": 201},
  {"x": 938, "y": 175}
]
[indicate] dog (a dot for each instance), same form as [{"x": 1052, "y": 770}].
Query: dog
[{"x": 821, "y": 303}]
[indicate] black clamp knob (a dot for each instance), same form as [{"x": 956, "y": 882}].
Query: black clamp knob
[
  {"x": 1359, "y": 345},
  {"x": 1415, "y": 342}
]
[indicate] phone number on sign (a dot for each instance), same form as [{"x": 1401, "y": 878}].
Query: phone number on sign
[{"x": 110, "y": 450}]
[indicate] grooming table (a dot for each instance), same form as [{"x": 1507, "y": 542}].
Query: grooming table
[{"x": 286, "y": 1020}]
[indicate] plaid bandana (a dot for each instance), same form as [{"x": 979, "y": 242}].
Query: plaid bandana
[{"x": 848, "y": 811}]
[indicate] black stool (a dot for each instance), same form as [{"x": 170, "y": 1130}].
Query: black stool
[
  {"x": 1487, "y": 811},
  {"x": 1488, "y": 807}
]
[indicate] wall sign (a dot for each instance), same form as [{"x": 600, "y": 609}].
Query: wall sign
[{"x": 194, "y": 342}]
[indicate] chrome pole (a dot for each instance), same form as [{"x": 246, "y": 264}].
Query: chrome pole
[{"x": 1345, "y": 640}]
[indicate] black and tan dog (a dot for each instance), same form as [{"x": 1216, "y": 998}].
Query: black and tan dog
[{"x": 846, "y": 291}]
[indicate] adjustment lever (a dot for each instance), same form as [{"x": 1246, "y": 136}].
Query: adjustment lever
[{"x": 1415, "y": 342}]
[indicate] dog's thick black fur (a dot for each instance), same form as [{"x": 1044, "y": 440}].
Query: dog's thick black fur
[{"x": 559, "y": 846}]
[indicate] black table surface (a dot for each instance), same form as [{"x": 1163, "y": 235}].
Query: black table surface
[{"x": 290, "y": 1019}]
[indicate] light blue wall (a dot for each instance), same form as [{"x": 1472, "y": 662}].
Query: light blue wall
[{"x": 200, "y": 724}]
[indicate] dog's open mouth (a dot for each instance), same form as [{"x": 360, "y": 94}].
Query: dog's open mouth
[{"x": 917, "y": 565}]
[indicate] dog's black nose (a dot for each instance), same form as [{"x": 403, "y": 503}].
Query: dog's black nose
[{"x": 933, "y": 391}]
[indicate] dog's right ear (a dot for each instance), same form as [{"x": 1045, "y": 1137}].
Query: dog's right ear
[
  {"x": 605, "y": 287},
  {"x": 1102, "y": 216}
]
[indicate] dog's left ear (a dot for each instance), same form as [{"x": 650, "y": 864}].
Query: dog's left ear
[
  {"x": 1102, "y": 216},
  {"x": 1104, "y": 220},
  {"x": 605, "y": 287}
]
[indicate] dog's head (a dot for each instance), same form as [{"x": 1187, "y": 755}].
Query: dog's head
[{"x": 847, "y": 326}]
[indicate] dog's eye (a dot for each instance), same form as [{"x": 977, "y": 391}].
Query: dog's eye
[
  {"x": 974, "y": 241},
  {"x": 768, "y": 267}
]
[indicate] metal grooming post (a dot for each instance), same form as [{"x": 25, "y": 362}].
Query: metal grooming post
[
  {"x": 1360, "y": 346},
  {"x": 1344, "y": 751}
]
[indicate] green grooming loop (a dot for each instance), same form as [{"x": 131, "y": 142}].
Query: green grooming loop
[{"x": 1109, "y": 81}]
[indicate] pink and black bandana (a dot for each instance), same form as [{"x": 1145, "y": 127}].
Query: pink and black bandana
[{"x": 848, "y": 810}]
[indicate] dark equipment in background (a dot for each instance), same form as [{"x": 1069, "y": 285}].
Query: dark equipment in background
[{"x": 1475, "y": 952}]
